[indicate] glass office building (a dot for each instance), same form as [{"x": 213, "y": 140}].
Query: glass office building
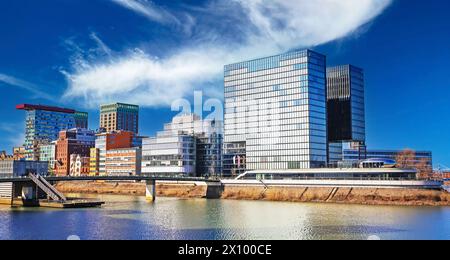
[
  {"x": 275, "y": 107},
  {"x": 43, "y": 124},
  {"x": 346, "y": 109},
  {"x": 47, "y": 153},
  {"x": 352, "y": 155},
  {"x": 81, "y": 120},
  {"x": 189, "y": 145}
]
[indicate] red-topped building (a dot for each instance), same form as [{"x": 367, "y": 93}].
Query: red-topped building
[{"x": 43, "y": 124}]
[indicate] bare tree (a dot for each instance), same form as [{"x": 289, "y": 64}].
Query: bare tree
[
  {"x": 425, "y": 170},
  {"x": 405, "y": 159}
]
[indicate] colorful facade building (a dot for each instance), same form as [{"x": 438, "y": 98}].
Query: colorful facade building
[
  {"x": 119, "y": 117},
  {"x": 5, "y": 157},
  {"x": 94, "y": 162},
  {"x": 43, "y": 124},
  {"x": 79, "y": 166},
  {"x": 124, "y": 162},
  {"x": 19, "y": 153},
  {"x": 72, "y": 142},
  {"x": 105, "y": 142},
  {"x": 47, "y": 153}
]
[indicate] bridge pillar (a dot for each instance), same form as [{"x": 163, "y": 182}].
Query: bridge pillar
[
  {"x": 13, "y": 193},
  {"x": 214, "y": 190},
  {"x": 150, "y": 190},
  {"x": 29, "y": 193}
]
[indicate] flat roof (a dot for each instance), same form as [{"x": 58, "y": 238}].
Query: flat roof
[
  {"x": 119, "y": 104},
  {"x": 335, "y": 170},
  {"x": 306, "y": 51},
  {"x": 30, "y": 107}
]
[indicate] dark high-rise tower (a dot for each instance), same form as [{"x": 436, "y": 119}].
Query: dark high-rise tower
[
  {"x": 346, "y": 111},
  {"x": 345, "y": 100}
]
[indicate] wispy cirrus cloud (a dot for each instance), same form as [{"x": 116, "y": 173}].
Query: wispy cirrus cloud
[
  {"x": 226, "y": 31},
  {"x": 28, "y": 86},
  {"x": 148, "y": 9},
  {"x": 157, "y": 13}
]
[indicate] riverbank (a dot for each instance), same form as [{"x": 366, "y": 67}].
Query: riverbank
[{"x": 364, "y": 196}]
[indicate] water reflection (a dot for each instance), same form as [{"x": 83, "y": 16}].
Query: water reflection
[{"x": 126, "y": 217}]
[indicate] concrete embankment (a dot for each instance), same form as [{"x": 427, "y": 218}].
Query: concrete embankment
[{"x": 367, "y": 196}]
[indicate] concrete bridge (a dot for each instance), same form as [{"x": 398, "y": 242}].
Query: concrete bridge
[{"x": 35, "y": 187}]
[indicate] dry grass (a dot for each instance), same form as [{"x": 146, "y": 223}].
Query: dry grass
[
  {"x": 291, "y": 194},
  {"x": 181, "y": 191},
  {"x": 343, "y": 195}
]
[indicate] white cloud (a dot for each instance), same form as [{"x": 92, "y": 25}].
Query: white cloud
[
  {"x": 16, "y": 82},
  {"x": 147, "y": 9},
  {"x": 265, "y": 27},
  {"x": 101, "y": 45},
  {"x": 158, "y": 14}
]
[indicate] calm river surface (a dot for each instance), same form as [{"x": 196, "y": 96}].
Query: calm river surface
[{"x": 126, "y": 217}]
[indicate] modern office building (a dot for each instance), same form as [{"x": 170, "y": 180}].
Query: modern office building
[
  {"x": 119, "y": 117},
  {"x": 124, "y": 162},
  {"x": 234, "y": 159},
  {"x": 81, "y": 120},
  {"x": 346, "y": 111},
  {"x": 209, "y": 154},
  {"x": 335, "y": 154},
  {"x": 47, "y": 153},
  {"x": 170, "y": 154},
  {"x": 187, "y": 146},
  {"x": 275, "y": 110},
  {"x": 208, "y": 135},
  {"x": 352, "y": 155},
  {"x": 72, "y": 142},
  {"x": 111, "y": 141},
  {"x": 9, "y": 168},
  {"x": 43, "y": 124},
  {"x": 346, "y": 106}
]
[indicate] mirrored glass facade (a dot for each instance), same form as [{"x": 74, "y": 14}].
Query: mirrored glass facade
[
  {"x": 43, "y": 127},
  {"x": 346, "y": 109},
  {"x": 277, "y": 107}
]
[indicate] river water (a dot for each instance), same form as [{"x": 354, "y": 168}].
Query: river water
[{"x": 125, "y": 217}]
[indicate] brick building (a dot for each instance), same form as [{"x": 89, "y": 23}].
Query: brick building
[{"x": 72, "y": 142}]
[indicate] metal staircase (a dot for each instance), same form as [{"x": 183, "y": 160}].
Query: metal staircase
[{"x": 44, "y": 185}]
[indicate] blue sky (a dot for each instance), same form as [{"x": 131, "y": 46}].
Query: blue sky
[{"x": 80, "y": 54}]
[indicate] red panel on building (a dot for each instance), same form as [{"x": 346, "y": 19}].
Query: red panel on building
[
  {"x": 119, "y": 140},
  {"x": 45, "y": 108}
]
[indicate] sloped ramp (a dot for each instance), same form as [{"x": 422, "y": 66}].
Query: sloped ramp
[{"x": 45, "y": 186}]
